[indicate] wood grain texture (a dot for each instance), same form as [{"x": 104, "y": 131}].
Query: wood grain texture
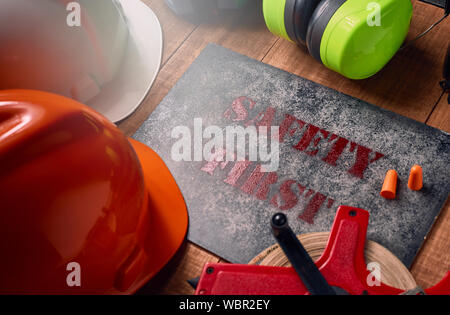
[
  {"x": 440, "y": 117},
  {"x": 433, "y": 260},
  {"x": 187, "y": 264},
  {"x": 175, "y": 30},
  {"x": 408, "y": 86}
]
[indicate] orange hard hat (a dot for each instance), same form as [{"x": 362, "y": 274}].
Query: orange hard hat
[{"x": 83, "y": 209}]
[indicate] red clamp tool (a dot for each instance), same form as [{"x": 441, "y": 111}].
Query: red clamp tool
[{"x": 340, "y": 270}]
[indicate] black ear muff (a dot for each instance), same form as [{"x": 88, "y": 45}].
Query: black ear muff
[
  {"x": 317, "y": 24},
  {"x": 297, "y": 14}
]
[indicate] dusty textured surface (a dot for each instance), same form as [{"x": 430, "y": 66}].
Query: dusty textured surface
[{"x": 233, "y": 224}]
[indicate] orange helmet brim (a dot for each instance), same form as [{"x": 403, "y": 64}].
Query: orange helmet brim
[{"x": 168, "y": 217}]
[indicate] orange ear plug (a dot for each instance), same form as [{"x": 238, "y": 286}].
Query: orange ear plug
[
  {"x": 390, "y": 185},
  {"x": 415, "y": 181}
]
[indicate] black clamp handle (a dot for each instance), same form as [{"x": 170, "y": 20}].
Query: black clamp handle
[{"x": 306, "y": 269}]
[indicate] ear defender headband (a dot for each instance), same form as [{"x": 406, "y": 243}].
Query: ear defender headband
[{"x": 355, "y": 38}]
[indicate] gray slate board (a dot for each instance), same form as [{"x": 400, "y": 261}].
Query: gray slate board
[{"x": 234, "y": 224}]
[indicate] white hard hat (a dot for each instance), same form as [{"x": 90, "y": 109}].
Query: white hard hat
[{"x": 104, "y": 53}]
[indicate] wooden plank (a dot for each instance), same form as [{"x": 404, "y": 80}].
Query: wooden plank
[
  {"x": 241, "y": 32},
  {"x": 433, "y": 260},
  {"x": 440, "y": 117},
  {"x": 187, "y": 264},
  {"x": 408, "y": 85},
  {"x": 175, "y": 30}
]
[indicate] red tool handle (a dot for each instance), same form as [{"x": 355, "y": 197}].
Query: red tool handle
[
  {"x": 441, "y": 288},
  {"x": 342, "y": 264}
]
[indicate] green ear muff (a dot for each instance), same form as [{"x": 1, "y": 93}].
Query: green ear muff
[
  {"x": 363, "y": 35},
  {"x": 356, "y": 38},
  {"x": 273, "y": 11}
]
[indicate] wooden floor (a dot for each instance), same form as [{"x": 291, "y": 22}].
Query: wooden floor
[{"x": 408, "y": 85}]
